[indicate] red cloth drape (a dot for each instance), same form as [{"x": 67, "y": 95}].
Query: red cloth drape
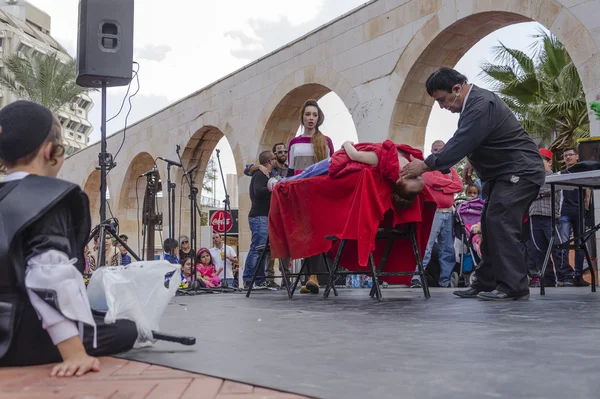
[{"x": 351, "y": 206}]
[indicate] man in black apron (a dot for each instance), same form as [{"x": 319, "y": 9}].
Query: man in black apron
[
  {"x": 507, "y": 161},
  {"x": 45, "y": 316}
]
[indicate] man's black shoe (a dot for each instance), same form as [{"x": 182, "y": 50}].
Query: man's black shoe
[
  {"x": 468, "y": 293},
  {"x": 501, "y": 296}
]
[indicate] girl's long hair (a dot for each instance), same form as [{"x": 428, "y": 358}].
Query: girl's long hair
[
  {"x": 318, "y": 140},
  {"x": 401, "y": 197}
]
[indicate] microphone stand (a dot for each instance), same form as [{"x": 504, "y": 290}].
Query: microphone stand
[
  {"x": 105, "y": 163},
  {"x": 193, "y": 204},
  {"x": 227, "y": 210},
  {"x": 171, "y": 205}
]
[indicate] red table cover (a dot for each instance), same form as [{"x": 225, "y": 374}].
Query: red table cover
[{"x": 352, "y": 207}]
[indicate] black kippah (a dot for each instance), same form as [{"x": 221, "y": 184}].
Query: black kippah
[{"x": 25, "y": 126}]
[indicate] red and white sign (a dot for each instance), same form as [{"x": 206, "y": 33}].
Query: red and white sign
[{"x": 219, "y": 223}]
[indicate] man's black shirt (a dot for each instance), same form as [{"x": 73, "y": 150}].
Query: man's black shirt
[
  {"x": 494, "y": 141},
  {"x": 259, "y": 195}
]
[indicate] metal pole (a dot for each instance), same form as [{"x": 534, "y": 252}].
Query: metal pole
[{"x": 103, "y": 156}]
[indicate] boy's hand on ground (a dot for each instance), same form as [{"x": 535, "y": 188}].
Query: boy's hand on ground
[{"x": 76, "y": 366}]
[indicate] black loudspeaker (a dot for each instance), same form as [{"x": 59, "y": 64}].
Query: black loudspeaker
[{"x": 105, "y": 43}]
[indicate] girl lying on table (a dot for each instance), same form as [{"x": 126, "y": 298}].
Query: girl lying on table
[{"x": 385, "y": 158}]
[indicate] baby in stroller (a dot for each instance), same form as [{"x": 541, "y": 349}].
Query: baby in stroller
[{"x": 467, "y": 232}]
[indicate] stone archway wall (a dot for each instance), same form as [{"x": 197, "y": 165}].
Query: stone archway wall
[
  {"x": 197, "y": 151},
  {"x": 279, "y": 119},
  {"x": 92, "y": 189},
  {"x": 129, "y": 209},
  {"x": 450, "y": 31},
  {"x": 374, "y": 58}
]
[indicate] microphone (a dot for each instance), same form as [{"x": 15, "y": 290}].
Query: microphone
[
  {"x": 170, "y": 162},
  {"x": 193, "y": 168},
  {"x": 153, "y": 170}
]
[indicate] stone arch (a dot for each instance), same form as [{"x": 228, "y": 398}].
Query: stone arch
[
  {"x": 452, "y": 30},
  {"x": 92, "y": 188},
  {"x": 197, "y": 152},
  {"x": 129, "y": 210},
  {"x": 279, "y": 119}
]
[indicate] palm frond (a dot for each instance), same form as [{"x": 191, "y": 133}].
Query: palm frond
[
  {"x": 517, "y": 59},
  {"x": 44, "y": 79}
]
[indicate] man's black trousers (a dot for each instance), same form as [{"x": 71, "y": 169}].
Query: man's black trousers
[{"x": 503, "y": 265}]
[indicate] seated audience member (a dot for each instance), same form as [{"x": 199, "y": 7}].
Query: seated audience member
[
  {"x": 472, "y": 191},
  {"x": 205, "y": 269},
  {"x": 405, "y": 190},
  {"x": 168, "y": 245},
  {"x": 46, "y": 316},
  {"x": 186, "y": 272},
  {"x": 122, "y": 257},
  {"x": 185, "y": 251}
]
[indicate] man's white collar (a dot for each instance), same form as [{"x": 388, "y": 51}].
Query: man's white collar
[{"x": 466, "y": 98}]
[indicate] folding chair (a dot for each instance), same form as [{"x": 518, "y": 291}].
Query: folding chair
[
  {"x": 266, "y": 249},
  {"x": 389, "y": 234}
]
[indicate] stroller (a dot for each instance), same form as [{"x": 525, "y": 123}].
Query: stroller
[{"x": 468, "y": 212}]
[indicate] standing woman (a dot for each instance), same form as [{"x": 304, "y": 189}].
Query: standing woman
[
  {"x": 305, "y": 150},
  {"x": 312, "y": 146}
]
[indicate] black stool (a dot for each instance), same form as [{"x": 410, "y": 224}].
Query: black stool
[
  {"x": 389, "y": 234},
  {"x": 266, "y": 249}
]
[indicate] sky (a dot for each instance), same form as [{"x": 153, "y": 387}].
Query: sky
[{"x": 185, "y": 47}]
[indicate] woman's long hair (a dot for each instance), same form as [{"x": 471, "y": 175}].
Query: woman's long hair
[{"x": 318, "y": 140}]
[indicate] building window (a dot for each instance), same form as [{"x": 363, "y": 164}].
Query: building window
[
  {"x": 62, "y": 120},
  {"x": 79, "y": 137},
  {"x": 25, "y": 49},
  {"x": 71, "y": 134},
  {"x": 82, "y": 129},
  {"x": 71, "y": 124},
  {"x": 84, "y": 104}
]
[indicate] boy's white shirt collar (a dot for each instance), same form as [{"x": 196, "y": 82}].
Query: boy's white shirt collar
[{"x": 15, "y": 176}]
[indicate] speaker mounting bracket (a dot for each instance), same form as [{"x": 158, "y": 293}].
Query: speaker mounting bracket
[{"x": 107, "y": 160}]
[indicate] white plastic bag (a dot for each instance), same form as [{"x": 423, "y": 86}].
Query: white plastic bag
[{"x": 136, "y": 292}]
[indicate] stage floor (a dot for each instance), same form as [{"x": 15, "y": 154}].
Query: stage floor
[{"x": 351, "y": 346}]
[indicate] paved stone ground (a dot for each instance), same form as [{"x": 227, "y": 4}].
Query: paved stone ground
[{"x": 120, "y": 379}]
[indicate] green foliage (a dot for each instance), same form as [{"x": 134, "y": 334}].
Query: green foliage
[
  {"x": 595, "y": 106},
  {"x": 203, "y": 218},
  {"x": 210, "y": 176},
  {"x": 43, "y": 79},
  {"x": 544, "y": 91}
]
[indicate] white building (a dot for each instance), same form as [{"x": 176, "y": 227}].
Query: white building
[{"x": 25, "y": 30}]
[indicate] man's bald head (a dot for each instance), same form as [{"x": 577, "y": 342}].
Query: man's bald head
[
  {"x": 265, "y": 157},
  {"x": 436, "y": 146}
]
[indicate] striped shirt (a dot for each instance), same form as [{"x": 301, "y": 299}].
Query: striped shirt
[
  {"x": 301, "y": 154},
  {"x": 541, "y": 205}
]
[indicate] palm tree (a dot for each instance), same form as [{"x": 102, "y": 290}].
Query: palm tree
[
  {"x": 544, "y": 91},
  {"x": 44, "y": 79}
]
